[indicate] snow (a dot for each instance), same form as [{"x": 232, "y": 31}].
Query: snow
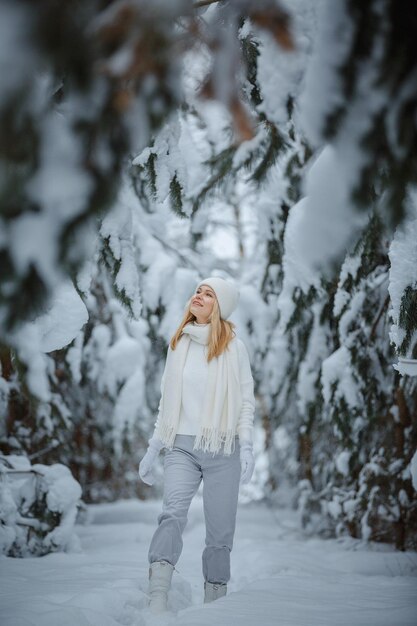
[
  {"x": 284, "y": 68},
  {"x": 316, "y": 351},
  {"x": 27, "y": 342},
  {"x": 117, "y": 228},
  {"x": 342, "y": 462},
  {"x": 406, "y": 367},
  {"x": 61, "y": 187},
  {"x": 277, "y": 576},
  {"x": 403, "y": 273},
  {"x": 323, "y": 94},
  {"x": 63, "y": 493},
  {"x": 413, "y": 469},
  {"x": 37, "y": 498},
  {"x": 350, "y": 315},
  {"x": 322, "y": 225},
  {"x": 4, "y": 395},
  {"x": 130, "y": 403},
  {"x": 350, "y": 268},
  {"x": 123, "y": 358},
  {"x": 60, "y": 324},
  {"x": 322, "y": 82},
  {"x": 338, "y": 368},
  {"x": 281, "y": 438},
  {"x": 73, "y": 358},
  {"x": 55, "y": 328}
]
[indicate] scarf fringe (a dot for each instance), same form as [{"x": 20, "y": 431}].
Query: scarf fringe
[
  {"x": 211, "y": 439},
  {"x": 166, "y": 433}
]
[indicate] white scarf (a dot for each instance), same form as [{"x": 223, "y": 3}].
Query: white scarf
[{"x": 222, "y": 401}]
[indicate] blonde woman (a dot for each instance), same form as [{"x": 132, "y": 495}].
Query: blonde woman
[{"x": 205, "y": 422}]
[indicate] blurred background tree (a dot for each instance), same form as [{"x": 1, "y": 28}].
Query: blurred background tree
[{"x": 145, "y": 145}]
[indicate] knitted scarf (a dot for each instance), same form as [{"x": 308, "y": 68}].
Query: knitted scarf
[{"x": 221, "y": 403}]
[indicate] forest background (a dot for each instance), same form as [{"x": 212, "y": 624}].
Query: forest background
[{"x": 146, "y": 145}]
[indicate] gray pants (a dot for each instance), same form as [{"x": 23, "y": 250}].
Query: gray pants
[{"x": 184, "y": 468}]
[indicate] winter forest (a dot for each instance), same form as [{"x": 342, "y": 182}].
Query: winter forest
[{"x": 145, "y": 145}]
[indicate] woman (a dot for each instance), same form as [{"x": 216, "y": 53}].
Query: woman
[{"x": 205, "y": 422}]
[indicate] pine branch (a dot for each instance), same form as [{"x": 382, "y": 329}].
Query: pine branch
[
  {"x": 250, "y": 53},
  {"x": 185, "y": 260},
  {"x": 113, "y": 266},
  {"x": 378, "y": 317},
  {"x": 222, "y": 163},
  {"x": 276, "y": 144},
  {"x": 175, "y": 196}
]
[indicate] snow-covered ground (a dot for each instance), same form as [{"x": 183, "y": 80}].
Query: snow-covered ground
[{"x": 279, "y": 578}]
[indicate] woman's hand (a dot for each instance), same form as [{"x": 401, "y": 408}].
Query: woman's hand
[
  {"x": 146, "y": 464},
  {"x": 247, "y": 462}
]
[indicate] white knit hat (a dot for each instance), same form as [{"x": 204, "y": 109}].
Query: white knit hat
[{"x": 226, "y": 293}]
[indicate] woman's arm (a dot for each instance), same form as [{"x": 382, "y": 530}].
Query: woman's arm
[
  {"x": 155, "y": 445},
  {"x": 160, "y": 405}
]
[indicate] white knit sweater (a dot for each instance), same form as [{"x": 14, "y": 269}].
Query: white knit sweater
[{"x": 193, "y": 386}]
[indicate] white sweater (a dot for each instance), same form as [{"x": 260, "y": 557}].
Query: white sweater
[{"x": 193, "y": 386}]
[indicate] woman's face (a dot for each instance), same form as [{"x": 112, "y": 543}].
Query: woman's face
[{"x": 202, "y": 303}]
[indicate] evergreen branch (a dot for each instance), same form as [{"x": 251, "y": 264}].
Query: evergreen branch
[
  {"x": 113, "y": 266},
  {"x": 184, "y": 259},
  {"x": 223, "y": 163},
  {"x": 250, "y": 55},
  {"x": 54, "y": 444},
  {"x": 303, "y": 303},
  {"x": 175, "y": 196},
  {"x": 276, "y": 144},
  {"x": 378, "y": 317}
]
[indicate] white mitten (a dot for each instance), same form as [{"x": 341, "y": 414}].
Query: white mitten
[
  {"x": 247, "y": 462},
  {"x": 145, "y": 466}
]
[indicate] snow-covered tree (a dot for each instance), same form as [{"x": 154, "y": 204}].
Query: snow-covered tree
[
  {"x": 301, "y": 156},
  {"x": 91, "y": 82},
  {"x": 38, "y": 507},
  {"x": 360, "y": 96}
]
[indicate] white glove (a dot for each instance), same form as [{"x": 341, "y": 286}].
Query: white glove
[
  {"x": 247, "y": 462},
  {"x": 145, "y": 466}
]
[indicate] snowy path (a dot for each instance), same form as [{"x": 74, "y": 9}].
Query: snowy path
[{"x": 278, "y": 577}]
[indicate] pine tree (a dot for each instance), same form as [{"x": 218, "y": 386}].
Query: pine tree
[
  {"x": 361, "y": 445},
  {"x": 369, "y": 74},
  {"x": 93, "y": 83},
  {"x": 341, "y": 422}
]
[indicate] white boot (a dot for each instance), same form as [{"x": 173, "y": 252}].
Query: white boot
[
  {"x": 160, "y": 574},
  {"x": 213, "y": 591}
]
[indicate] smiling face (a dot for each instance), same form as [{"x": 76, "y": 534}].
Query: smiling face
[{"x": 202, "y": 303}]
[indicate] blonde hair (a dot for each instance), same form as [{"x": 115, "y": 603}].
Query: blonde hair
[{"x": 221, "y": 331}]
